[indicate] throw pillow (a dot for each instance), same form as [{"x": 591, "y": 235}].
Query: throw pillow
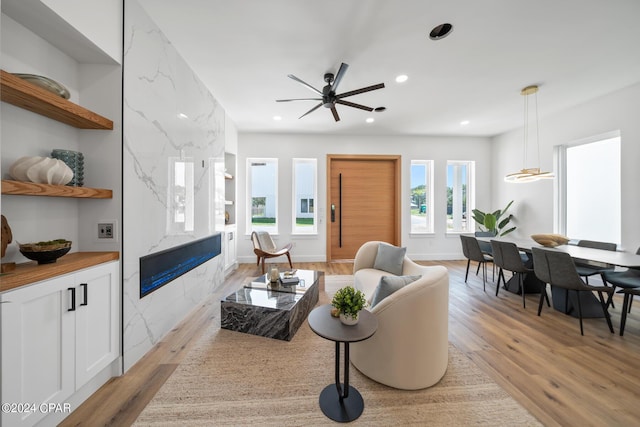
[
  {"x": 390, "y": 284},
  {"x": 389, "y": 259}
]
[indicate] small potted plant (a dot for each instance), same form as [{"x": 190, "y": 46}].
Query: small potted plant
[{"x": 348, "y": 302}]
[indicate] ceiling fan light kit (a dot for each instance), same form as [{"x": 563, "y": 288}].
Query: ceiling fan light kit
[
  {"x": 529, "y": 174},
  {"x": 328, "y": 97}
]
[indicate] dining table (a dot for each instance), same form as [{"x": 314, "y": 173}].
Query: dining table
[{"x": 590, "y": 305}]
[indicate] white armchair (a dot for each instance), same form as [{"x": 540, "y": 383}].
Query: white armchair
[{"x": 410, "y": 348}]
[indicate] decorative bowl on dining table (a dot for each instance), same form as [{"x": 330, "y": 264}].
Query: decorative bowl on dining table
[{"x": 550, "y": 240}]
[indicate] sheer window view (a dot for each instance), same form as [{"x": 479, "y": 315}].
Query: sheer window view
[
  {"x": 593, "y": 191},
  {"x": 262, "y": 179},
  {"x": 304, "y": 196},
  {"x": 459, "y": 195},
  {"x": 421, "y": 196}
]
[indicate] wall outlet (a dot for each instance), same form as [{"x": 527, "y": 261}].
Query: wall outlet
[{"x": 105, "y": 230}]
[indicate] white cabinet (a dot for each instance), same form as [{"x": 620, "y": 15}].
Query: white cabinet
[
  {"x": 56, "y": 335},
  {"x": 230, "y": 249}
]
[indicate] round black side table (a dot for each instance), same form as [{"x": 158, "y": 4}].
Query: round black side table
[{"x": 340, "y": 401}]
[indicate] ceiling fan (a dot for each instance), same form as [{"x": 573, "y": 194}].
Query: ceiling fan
[{"x": 328, "y": 95}]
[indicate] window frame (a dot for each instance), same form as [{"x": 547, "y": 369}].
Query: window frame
[
  {"x": 561, "y": 191},
  {"x": 429, "y": 190},
  {"x": 296, "y": 201},
  {"x": 250, "y": 227},
  {"x": 470, "y": 196}
]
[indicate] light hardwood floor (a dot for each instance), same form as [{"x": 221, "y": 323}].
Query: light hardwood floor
[{"x": 562, "y": 378}]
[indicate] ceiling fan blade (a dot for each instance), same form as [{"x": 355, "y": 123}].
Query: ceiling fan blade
[
  {"x": 357, "y": 91},
  {"x": 336, "y": 80},
  {"x": 299, "y": 99},
  {"x": 335, "y": 113},
  {"x": 291, "y": 76},
  {"x": 354, "y": 105},
  {"x": 313, "y": 109}
]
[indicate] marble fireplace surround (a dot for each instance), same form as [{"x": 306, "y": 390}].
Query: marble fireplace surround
[{"x": 160, "y": 268}]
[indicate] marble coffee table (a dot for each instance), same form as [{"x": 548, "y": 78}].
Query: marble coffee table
[{"x": 272, "y": 311}]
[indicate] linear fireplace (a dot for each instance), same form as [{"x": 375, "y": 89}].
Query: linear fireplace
[{"x": 160, "y": 268}]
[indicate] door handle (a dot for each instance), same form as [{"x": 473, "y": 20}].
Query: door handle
[
  {"x": 85, "y": 294},
  {"x": 73, "y": 299},
  {"x": 333, "y": 213}
]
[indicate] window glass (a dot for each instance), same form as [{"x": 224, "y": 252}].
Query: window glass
[
  {"x": 593, "y": 194},
  {"x": 262, "y": 180},
  {"x": 421, "y": 196},
  {"x": 304, "y": 196},
  {"x": 460, "y": 195}
]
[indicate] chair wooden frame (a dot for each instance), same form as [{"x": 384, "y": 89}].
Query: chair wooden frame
[{"x": 264, "y": 247}]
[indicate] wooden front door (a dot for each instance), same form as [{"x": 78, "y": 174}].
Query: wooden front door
[{"x": 363, "y": 202}]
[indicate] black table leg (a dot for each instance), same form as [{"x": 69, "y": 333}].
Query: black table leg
[{"x": 340, "y": 401}]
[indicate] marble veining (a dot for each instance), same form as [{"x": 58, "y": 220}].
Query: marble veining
[
  {"x": 170, "y": 118},
  {"x": 267, "y": 313}
]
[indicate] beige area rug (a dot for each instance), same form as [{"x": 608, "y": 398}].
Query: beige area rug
[{"x": 235, "y": 379}]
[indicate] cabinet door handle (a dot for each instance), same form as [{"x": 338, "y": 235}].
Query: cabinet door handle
[
  {"x": 85, "y": 293},
  {"x": 73, "y": 299}
]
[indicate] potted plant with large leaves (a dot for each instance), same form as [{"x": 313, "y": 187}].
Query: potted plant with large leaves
[
  {"x": 348, "y": 302},
  {"x": 495, "y": 222}
]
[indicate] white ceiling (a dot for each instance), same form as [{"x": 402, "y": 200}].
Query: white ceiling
[{"x": 243, "y": 50}]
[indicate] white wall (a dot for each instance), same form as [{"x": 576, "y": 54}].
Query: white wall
[
  {"x": 313, "y": 248},
  {"x": 533, "y": 206},
  {"x": 168, "y": 114}
]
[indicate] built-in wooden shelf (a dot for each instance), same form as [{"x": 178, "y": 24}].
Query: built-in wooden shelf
[
  {"x": 32, "y": 272},
  {"x": 24, "y": 94},
  {"x": 20, "y": 188}
]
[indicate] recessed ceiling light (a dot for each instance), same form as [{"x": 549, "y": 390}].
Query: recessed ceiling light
[
  {"x": 401, "y": 78},
  {"x": 183, "y": 116},
  {"x": 464, "y": 122},
  {"x": 370, "y": 120},
  {"x": 277, "y": 118},
  {"x": 440, "y": 31}
]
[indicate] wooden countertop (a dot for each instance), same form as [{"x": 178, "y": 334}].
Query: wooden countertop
[{"x": 30, "y": 272}]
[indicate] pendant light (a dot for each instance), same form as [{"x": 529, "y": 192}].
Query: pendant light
[{"x": 529, "y": 174}]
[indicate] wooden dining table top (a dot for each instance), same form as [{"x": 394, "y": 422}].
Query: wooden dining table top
[{"x": 620, "y": 258}]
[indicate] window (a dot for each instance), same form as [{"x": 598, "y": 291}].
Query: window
[
  {"x": 589, "y": 189},
  {"x": 262, "y": 183},
  {"x": 181, "y": 195},
  {"x": 460, "y": 195},
  {"x": 304, "y": 196},
  {"x": 421, "y": 196}
]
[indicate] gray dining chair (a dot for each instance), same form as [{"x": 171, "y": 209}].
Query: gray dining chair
[
  {"x": 625, "y": 279},
  {"x": 589, "y": 269},
  {"x": 558, "y": 269},
  {"x": 507, "y": 256},
  {"x": 486, "y": 247},
  {"x": 471, "y": 250}
]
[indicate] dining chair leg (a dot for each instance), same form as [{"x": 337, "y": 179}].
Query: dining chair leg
[
  {"x": 606, "y": 312},
  {"x": 484, "y": 276},
  {"x": 580, "y": 314},
  {"x": 478, "y": 269},
  {"x": 566, "y": 301},
  {"x": 521, "y": 282},
  {"x": 625, "y": 307},
  {"x": 467, "y": 273},
  {"x": 543, "y": 293},
  {"x": 498, "y": 285},
  {"x": 610, "y": 299}
]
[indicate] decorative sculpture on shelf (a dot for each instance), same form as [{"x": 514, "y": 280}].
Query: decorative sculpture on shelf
[{"x": 7, "y": 237}]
